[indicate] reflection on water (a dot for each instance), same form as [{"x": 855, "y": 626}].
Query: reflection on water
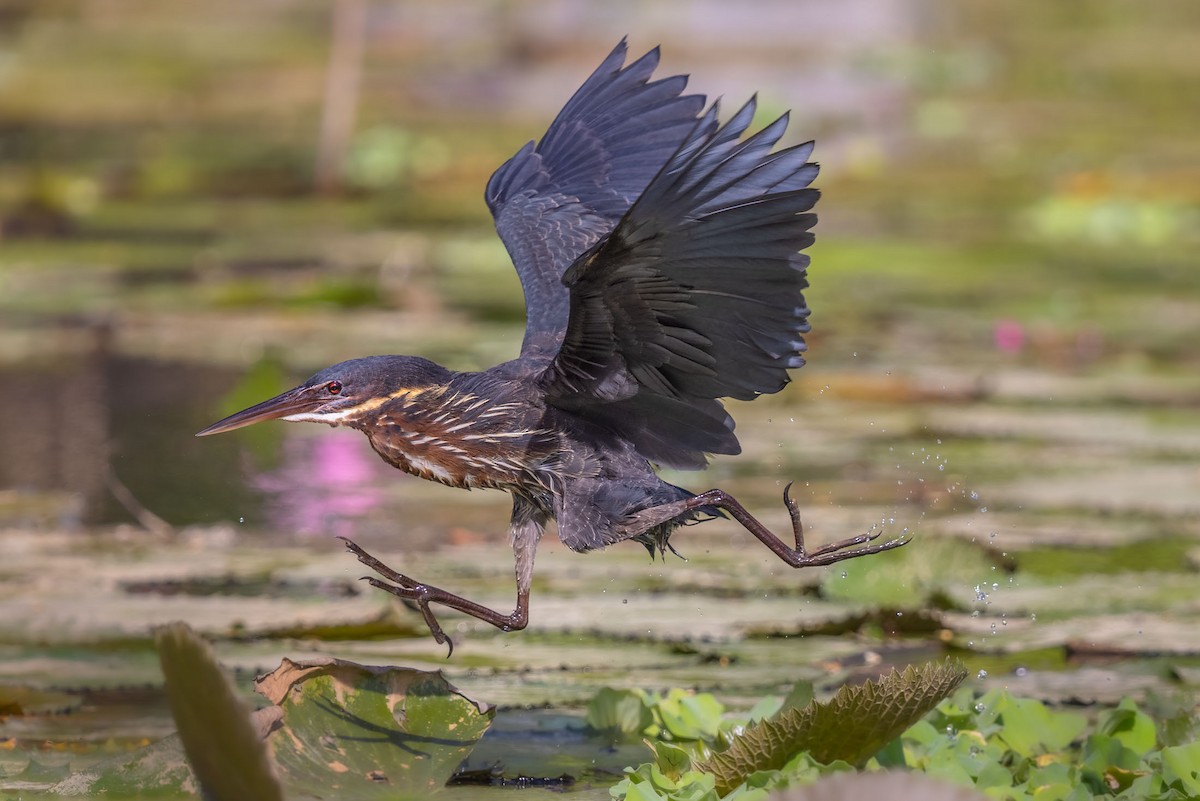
[
  {"x": 54, "y": 430},
  {"x": 78, "y": 423},
  {"x": 322, "y": 484}
]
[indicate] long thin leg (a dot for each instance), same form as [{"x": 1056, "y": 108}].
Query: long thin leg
[
  {"x": 798, "y": 556},
  {"x": 525, "y": 534}
]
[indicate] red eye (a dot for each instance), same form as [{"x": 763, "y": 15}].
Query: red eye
[{"x": 333, "y": 387}]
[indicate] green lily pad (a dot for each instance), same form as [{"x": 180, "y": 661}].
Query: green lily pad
[
  {"x": 892, "y": 785},
  {"x": 932, "y": 567},
  {"x": 351, "y": 731},
  {"x": 619, "y": 713},
  {"x": 160, "y": 769},
  {"x": 1029, "y": 728}
]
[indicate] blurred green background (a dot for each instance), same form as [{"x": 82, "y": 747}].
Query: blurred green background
[{"x": 203, "y": 202}]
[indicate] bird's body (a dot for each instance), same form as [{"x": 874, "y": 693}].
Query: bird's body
[
  {"x": 494, "y": 430},
  {"x": 659, "y": 254}
]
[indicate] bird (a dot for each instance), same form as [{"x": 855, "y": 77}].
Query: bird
[{"x": 659, "y": 252}]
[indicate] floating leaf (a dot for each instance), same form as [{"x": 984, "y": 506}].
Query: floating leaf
[
  {"x": 1132, "y": 727},
  {"x": 38, "y": 773},
  {"x": 1181, "y": 767},
  {"x": 941, "y": 568},
  {"x": 350, "y": 731},
  {"x": 158, "y": 769},
  {"x": 891, "y": 785},
  {"x": 851, "y": 726},
  {"x": 619, "y": 712},
  {"x": 690, "y": 716},
  {"x": 1029, "y": 728},
  {"x": 800, "y": 696},
  {"x": 223, "y": 747}
]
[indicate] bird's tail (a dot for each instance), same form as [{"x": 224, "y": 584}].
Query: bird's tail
[{"x": 657, "y": 540}]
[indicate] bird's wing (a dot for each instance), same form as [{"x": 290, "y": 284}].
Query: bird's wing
[
  {"x": 696, "y": 295},
  {"x": 554, "y": 200}
]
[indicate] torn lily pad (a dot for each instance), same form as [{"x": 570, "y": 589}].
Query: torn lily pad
[{"x": 350, "y": 731}]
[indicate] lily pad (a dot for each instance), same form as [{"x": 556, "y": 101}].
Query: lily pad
[
  {"x": 160, "y": 769},
  {"x": 893, "y": 785},
  {"x": 350, "y": 731},
  {"x": 929, "y": 568}
]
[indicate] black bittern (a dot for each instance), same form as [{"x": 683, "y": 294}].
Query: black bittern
[{"x": 659, "y": 253}]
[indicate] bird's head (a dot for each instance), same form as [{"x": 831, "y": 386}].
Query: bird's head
[{"x": 343, "y": 393}]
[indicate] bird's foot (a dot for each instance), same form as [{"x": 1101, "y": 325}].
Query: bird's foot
[
  {"x": 405, "y": 588},
  {"x": 799, "y": 556},
  {"x": 834, "y": 551}
]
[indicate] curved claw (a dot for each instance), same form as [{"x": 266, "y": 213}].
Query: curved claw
[
  {"x": 794, "y": 513},
  {"x": 414, "y": 594}
]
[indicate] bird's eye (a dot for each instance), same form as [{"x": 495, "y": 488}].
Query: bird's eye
[{"x": 333, "y": 387}]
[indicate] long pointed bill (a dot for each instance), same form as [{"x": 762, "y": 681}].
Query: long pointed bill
[{"x": 294, "y": 401}]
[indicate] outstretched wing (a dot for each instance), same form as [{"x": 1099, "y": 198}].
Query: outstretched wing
[
  {"x": 553, "y": 201},
  {"x": 696, "y": 295}
]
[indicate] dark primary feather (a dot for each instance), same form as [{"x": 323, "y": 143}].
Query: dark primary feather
[
  {"x": 553, "y": 201},
  {"x": 696, "y": 295}
]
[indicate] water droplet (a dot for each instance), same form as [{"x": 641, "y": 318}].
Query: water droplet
[
  {"x": 241, "y": 520},
  {"x": 1021, "y": 671},
  {"x": 624, "y": 600},
  {"x": 974, "y": 495},
  {"x": 983, "y": 509},
  {"x": 983, "y": 674},
  {"x": 981, "y": 707}
]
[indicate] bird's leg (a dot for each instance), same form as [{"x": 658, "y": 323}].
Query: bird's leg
[
  {"x": 526, "y": 533},
  {"x": 799, "y": 556}
]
